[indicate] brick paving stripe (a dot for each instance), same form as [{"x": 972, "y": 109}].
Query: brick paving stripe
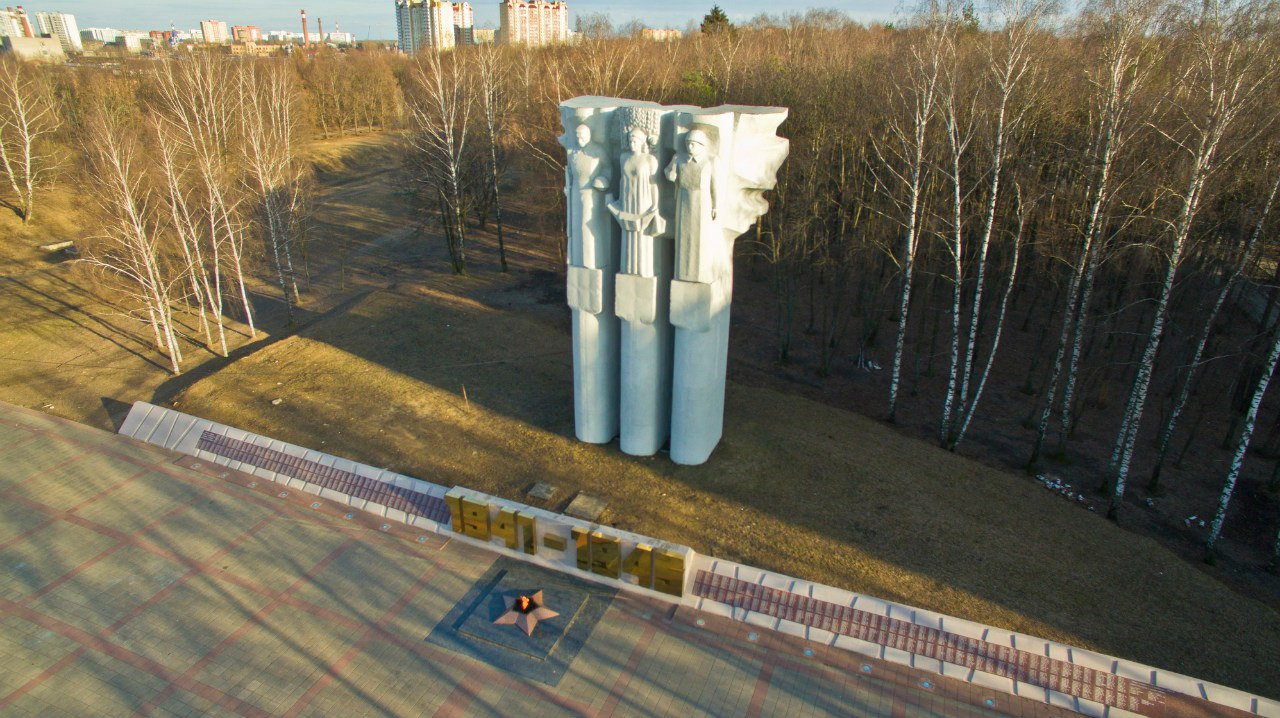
[
  {"x": 1022, "y": 666},
  {"x": 412, "y": 503}
]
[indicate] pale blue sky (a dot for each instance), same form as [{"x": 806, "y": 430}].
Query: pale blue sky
[{"x": 376, "y": 18}]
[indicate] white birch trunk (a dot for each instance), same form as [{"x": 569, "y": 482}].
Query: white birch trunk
[
  {"x": 995, "y": 341},
  {"x": 1166, "y": 435},
  {"x": 1122, "y": 454},
  {"x": 1242, "y": 446},
  {"x": 26, "y": 116},
  {"x": 907, "y": 147}
]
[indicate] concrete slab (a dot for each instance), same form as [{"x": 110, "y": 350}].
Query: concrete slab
[
  {"x": 541, "y": 491},
  {"x": 1089, "y": 659},
  {"x": 924, "y": 663},
  {"x": 856, "y": 645},
  {"x": 1223, "y": 695},
  {"x": 994, "y": 682},
  {"x": 1091, "y": 708},
  {"x": 586, "y": 507},
  {"x": 1032, "y": 691}
]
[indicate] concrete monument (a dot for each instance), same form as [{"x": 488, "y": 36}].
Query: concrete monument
[
  {"x": 593, "y": 258},
  {"x": 689, "y": 182}
]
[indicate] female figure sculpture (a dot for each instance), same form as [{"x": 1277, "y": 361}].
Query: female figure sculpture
[
  {"x": 636, "y": 206},
  {"x": 641, "y": 287}
]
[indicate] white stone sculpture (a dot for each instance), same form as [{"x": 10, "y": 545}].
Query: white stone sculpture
[
  {"x": 642, "y": 284},
  {"x": 636, "y": 206},
  {"x": 674, "y": 285},
  {"x": 693, "y": 172},
  {"x": 592, "y": 254},
  {"x": 587, "y": 176}
]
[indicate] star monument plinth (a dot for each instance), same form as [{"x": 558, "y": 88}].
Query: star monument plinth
[{"x": 524, "y": 612}]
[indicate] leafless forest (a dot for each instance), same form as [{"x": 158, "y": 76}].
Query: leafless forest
[{"x": 1066, "y": 219}]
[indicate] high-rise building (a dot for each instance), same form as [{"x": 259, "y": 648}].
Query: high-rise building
[
  {"x": 533, "y": 22},
  {"x": 14, "y": 22},
  {"x": 97, "y": 34},
  {"x": 10, "y": 23},
  {"x": 246, "y": 33},
  {"x": 35, "y": 49},
  {"x": 464, "y": 29},
  {"x": 214, "y": 32},
  {"x": 61, "y": 26},
  {"x": 424, "y": 23}
]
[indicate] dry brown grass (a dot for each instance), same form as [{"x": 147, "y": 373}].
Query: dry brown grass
[{"x": 796, "y": 486}]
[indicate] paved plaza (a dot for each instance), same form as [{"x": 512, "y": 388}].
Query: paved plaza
[{"x": 134, "y": 581}]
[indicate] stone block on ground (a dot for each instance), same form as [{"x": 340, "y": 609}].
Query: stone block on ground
[
  {"x": 541, "y": 491},
  {"x": 587, "y": 508}
]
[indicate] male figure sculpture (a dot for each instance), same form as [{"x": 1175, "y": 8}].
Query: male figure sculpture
[
  {"x": 587, "y": 176},
  {"x": 592, "y": 257},
  {"x": 694, "y": 175}
]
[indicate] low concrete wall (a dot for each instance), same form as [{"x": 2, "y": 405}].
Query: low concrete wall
[{"x": 998, "y": 660}]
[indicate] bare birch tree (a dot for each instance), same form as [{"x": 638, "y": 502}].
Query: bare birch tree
[
  {"x": 1231, "y": 67},
  {"x": 1123, "y": 67},
  {"x": 440, "y": 112},
  {"x": 957, "y": 112},
  {"x": 903, "y": 157},
  {"x": 1010, "y": 82},
  {"x": 199, "y": 248},
  {"x": 27, "y": 119},
  {"x": 130, "y": 237},
  {"x": 194, "y": 99},
  {"x": 491, "y": 68},
  {"x": 268, "y": 112},
  {"x": 1246, "y": 257},
  {"x": 1242, "y": 445}
]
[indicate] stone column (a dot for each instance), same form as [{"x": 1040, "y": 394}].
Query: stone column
[
  {"x": 726, "y": 158},
  {"x": 642, "y": 282},
  {"x": 592, "y": 255}
]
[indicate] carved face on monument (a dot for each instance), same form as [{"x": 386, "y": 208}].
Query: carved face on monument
[
  {"x": 583, "y": 134},
  {"x": 697, "y": 142},
  {"x": 637, "y": 141}
]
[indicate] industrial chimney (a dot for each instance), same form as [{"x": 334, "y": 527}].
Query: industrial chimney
[
  {"x": 306, "y": 38},
  {"x": 320, "y": 30}
]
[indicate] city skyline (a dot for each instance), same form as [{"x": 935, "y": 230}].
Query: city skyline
[{"x": 377, "y": 19}]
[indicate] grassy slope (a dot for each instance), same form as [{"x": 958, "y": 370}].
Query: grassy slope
[{"x": 796, "y": 486}]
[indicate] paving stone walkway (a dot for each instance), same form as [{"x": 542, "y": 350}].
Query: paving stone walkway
[{"x": 137, "y": 582}]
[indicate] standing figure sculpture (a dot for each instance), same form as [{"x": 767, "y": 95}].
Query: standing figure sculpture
[
  {"x": 587, "y": 177},
  {"x": 694, "y": 174},
  {"x": 688, "y": 182},
  {"x": 636, "y": 207},
  {"x": 593, "y": 261},
  {"x": 642, "y": 286}
]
